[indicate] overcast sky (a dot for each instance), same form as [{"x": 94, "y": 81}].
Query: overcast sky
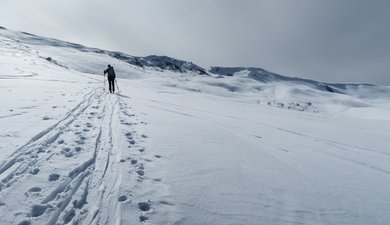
[{"x": 325, "y": 40}]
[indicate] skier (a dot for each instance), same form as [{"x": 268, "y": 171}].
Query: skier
[{"x": 111, "y": 78}]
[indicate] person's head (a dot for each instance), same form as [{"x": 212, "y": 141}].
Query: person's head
[{"x": 109, "y": 66}]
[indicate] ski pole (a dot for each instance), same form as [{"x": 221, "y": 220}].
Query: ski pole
[
  {"x": 104, "y": 78},
  {"x": 116, "y": 84}
]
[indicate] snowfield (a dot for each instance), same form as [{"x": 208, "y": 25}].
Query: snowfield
[{"x": 178, "y": 145}]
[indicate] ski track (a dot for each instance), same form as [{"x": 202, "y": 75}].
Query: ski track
[{"x": 80, "y": 170}]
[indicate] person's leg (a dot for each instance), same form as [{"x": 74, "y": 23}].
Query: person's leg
[{"x": 110, "y": 85}]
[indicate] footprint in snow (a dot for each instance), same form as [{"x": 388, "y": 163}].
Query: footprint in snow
[
  {"x": 54, "y": 177},
  {"x": 141, "y": 173},
  {"x": 80, "y": 142},
  {"x": 144, "y": 206},
  {"x": 38, "y": 210},
  {"x": 68, "y": 154},
  {"x": 34, "y": 171},
  {"x": 122, "y": 198},
  {"x": 35, "y": 189},
  {"x": 143, "y": 218},
  {"x": 69, "y": 215},
  {"x": 24, "y": 222}
]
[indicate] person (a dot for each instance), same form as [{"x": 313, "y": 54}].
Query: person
[{"x": 111, "y": 78}]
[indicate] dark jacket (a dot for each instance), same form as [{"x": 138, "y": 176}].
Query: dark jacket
[{"x": 110, "y": 72}]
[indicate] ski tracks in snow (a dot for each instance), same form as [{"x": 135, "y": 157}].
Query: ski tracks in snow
[{"x": 89, "y": 168}]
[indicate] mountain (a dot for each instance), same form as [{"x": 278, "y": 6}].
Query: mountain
[
  {"x": 164, "y": 63},
  {"x": 158, "y": 62},
  {"x": 177, "y": 144}
]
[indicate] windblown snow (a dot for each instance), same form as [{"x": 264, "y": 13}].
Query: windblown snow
[{"x": 177, "y": 144}]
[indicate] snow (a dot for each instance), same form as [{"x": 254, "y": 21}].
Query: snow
[{"x": 181, "y": 148}]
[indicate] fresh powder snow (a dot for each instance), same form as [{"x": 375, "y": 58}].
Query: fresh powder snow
[{"x": 179, "y": 144}]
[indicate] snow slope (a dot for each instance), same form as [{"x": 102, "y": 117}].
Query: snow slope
[{"x": 174, "y": 147}]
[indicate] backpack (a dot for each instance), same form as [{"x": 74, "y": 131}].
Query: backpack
[{"x": 110, "y": 73}]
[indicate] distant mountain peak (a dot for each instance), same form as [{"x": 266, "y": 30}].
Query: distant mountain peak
[
  {"x": 160, "y": 62},
  {"x": 258, "y": 74},
  {"x": 168, "y": 63},
  {"x": 265, "y": 76}
]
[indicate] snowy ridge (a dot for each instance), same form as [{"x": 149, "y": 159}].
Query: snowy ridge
[
  {"x": 167, "y": 63},
  {"x": 265, "y": 76},
  {"x": 155, "y": 62}
]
